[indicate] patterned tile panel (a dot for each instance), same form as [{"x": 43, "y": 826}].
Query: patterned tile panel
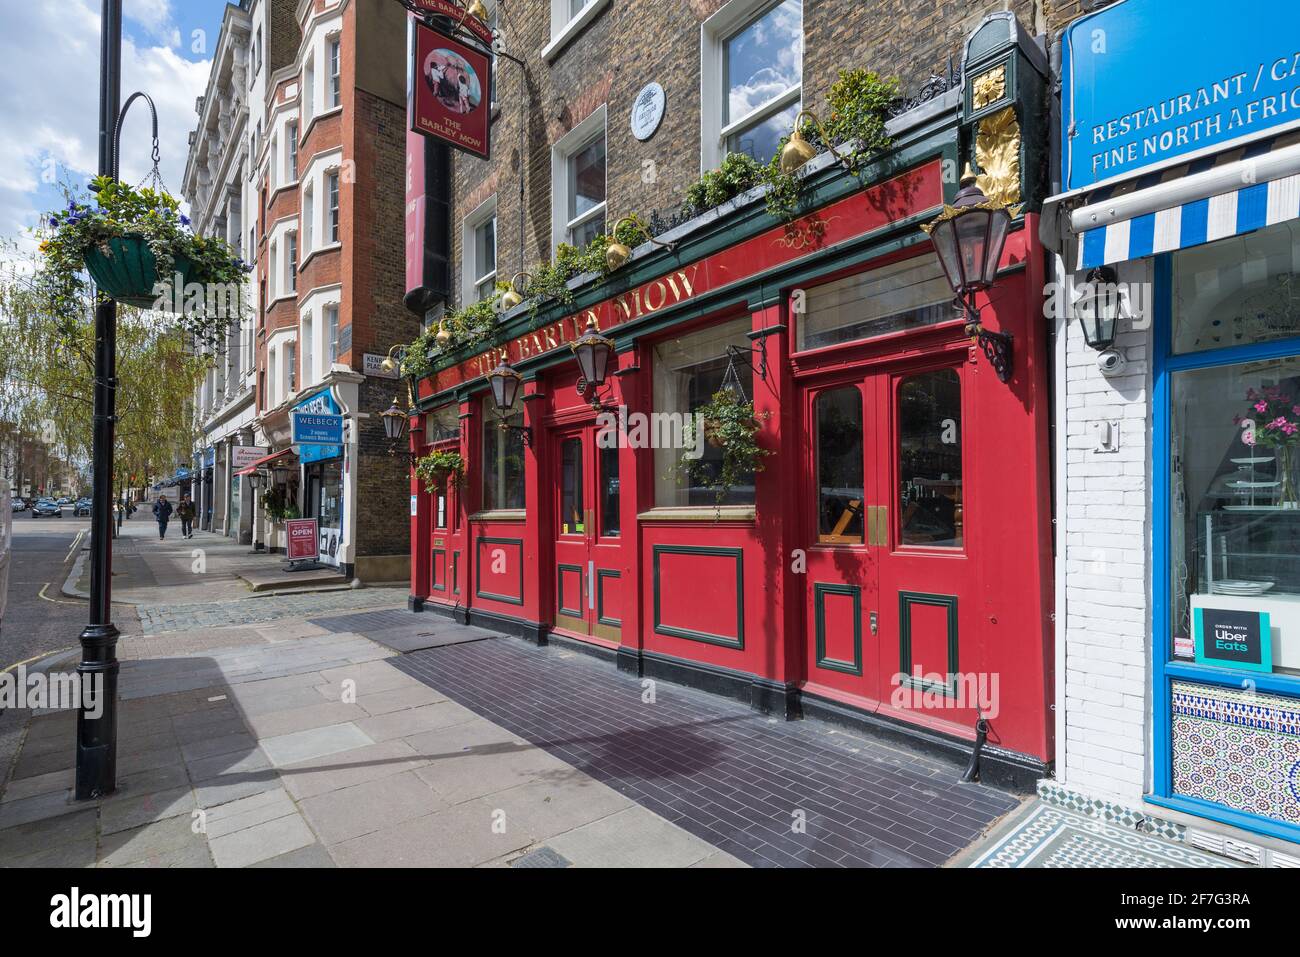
[{"x": 1237, "y": 748}]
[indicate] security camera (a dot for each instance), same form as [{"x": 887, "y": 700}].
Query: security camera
[{"x": 1111, "y": 362}]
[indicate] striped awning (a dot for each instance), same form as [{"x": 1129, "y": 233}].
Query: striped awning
[{"x": 1213, "y": 197}]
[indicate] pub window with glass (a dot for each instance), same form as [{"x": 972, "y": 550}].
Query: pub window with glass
[
  {"x": 688, "y": 370},
  {"x": 503, "y": 457}
]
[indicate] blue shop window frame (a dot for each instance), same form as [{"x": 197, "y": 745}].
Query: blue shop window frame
[{"x": 1164, "y": 671}]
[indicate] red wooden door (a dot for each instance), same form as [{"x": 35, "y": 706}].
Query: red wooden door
[
  {"x": 588, "y": 579},
  {"x": 447, "y": 558},
  {"x": 889, "y": 578},
  {"x": 927, "y": 566},
  {"x": 841, "y": 565}
]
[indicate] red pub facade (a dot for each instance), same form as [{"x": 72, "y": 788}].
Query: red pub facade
[{"x": 890, "y": 565}]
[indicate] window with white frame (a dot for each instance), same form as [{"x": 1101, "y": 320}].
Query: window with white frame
[
  {"x": 291, "y": 262},
  {"x": 751, "y": 59},
  {"x": 578, "y": 182},
  {"x": 291, "y": 151},
  {"x": 332, "y": 208},
  {"x": 479, "y": 252},
  {"x": 308, "y": 220},
  {"x": 271, "y": 284},
  {"x": 291, "y": 365},
  {"x": 568, "y": 19},
  {"x": 331, "y": 314},
  {"x": 308, "y": 348},
  {"x": 335, "y": 84},
  {"x": 308, "y": 90}
]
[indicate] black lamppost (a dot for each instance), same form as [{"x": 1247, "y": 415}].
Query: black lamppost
[
  {"x": 96, "y": 767},
  {"x": 968, "y": 237}
]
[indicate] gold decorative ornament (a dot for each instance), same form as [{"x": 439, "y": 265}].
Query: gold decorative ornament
[
  {"x": 617, "y": 254},
  {"x": 443, "y": 336},
  {"x": 952, "y": 212},
  {"x": 798, "y": 150},
  {"x": 476, "y": 9},
  {"x": 989, "y": 87},
  {"x": 997, "y": 150},
  {"x": 511, "y": 298}
]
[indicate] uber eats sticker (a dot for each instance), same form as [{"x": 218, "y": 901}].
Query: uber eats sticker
[{"x": 1234, "y": 639}]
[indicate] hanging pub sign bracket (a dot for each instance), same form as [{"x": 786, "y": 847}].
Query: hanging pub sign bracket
[{"x": 996, "y": 346}]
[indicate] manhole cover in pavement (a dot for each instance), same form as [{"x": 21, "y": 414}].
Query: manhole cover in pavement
[{"x": 542, "y": 857}]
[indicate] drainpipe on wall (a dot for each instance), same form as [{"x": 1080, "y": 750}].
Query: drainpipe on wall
[{"x": 1061, "y": 327}]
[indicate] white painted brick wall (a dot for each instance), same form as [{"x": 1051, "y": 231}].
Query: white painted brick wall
[{"x": 1106, "y": 523}]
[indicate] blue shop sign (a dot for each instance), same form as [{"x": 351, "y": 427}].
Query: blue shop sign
[
  {"x": 317, "y": 429},
  {"x": 1146, "y": 81}
]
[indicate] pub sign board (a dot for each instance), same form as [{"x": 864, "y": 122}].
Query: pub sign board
[
  {"x": 451, "y": 88},
  {"x": 1234, "y": 638}
]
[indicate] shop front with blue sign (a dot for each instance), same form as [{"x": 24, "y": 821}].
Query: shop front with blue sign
[
  {"x": 1178, "y": 228},
  {"x": 317, "y": 432}
]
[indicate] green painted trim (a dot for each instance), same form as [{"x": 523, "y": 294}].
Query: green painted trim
[
  {"x": 601, "y": 575},
  {"x": 1010, "y": 59},
  {"x": 674, "y": 632},
  {"x": 433, "y": 569},
  {"x": 478, "y": 569},
  {"x": 905, "y": 600},
  {"x": 937, "y": 140},
  {"x": 560, "y": 569},
  {"x": 820, "y": 590},
  {"x": 455, "y": 572}
]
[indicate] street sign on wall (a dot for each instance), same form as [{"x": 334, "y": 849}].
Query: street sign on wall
[
  {"x": 317, "y": 429},
  {"x": 1146, "y": 81},
  {"x": 451, "y": 91}
]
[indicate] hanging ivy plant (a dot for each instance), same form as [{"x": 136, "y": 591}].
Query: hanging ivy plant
[
  {"x": 859, "y": 103},
  {"x": 731, "y": 425},
  {"x": 133, "y": 242},
  {"x": 436, "y": 467}
]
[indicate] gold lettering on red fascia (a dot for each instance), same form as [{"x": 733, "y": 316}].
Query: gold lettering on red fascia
[{"x": 642, "y": 301}]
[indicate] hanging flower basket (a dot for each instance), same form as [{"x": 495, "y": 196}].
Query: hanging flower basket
[
  {"x": 133, "y": 242},
  {"x": 125, "y": 269}
]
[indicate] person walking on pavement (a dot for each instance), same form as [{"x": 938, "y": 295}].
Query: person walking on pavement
[
  {"x": 186, "y": 511},
  {"x": 162, "y": 510}
]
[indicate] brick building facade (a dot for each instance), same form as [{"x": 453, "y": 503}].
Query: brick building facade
[
  {"x": 323, "y": 164},
  {"x": 632, "y": 44}
]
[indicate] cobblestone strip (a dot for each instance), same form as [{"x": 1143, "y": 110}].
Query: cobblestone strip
[{"x": 156, "y": 619}]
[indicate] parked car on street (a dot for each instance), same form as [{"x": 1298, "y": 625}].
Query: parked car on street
[
  {"x": 18, "y": 505},
  {"x": 46, "y": 508},
  {"x": 82, "y": 507}
]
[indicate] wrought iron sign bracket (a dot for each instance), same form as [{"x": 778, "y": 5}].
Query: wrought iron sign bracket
[
  {"x": 996, "y": 346},
  {"x": 595, "y": 399},
  {"x": 759, "y": 337}
]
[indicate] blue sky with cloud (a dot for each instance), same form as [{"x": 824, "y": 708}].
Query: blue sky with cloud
[{"x": 49, "y": 97}]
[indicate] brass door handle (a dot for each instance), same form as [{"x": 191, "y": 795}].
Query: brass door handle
[{"x": 877, "y": 524}]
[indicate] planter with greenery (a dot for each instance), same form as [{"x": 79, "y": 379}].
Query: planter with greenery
[
  {"x": 859, "y": 103},
  {"x": 437, "y": 467},
  {"x": 276, "y": 504},
  {"x": 730, "y": 424},
  {"x": 133, "y": 243}
]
